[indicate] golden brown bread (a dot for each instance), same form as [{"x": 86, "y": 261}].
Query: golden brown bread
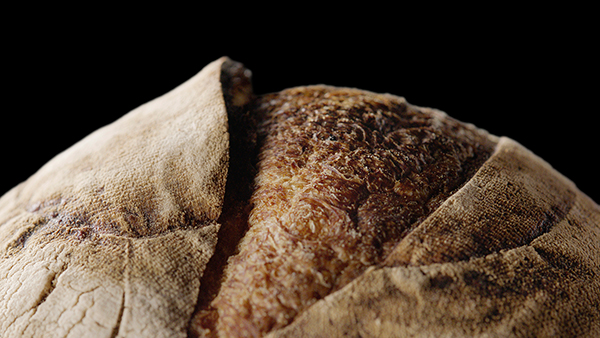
[
  {"x": 356, "y": 214},
  {"x": 343, "y": 175}
]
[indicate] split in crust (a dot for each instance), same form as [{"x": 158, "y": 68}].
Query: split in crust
[
  {"x": 315, "y": 211},
  {"x": 343, "y": 176}
]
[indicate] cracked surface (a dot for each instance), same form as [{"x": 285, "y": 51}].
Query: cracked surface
[
  {"x": 343, "y": 175},
  {"x": 103, "y": 286},
  {"x": 111, "y": 237}
]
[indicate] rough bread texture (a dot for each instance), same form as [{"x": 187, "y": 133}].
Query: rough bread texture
[
  {"x": 356, "y": 215},
  {"x": 111, "y": 237},
  {"x": 513, "y": 253},
  {"x": 343, "y": 176}
]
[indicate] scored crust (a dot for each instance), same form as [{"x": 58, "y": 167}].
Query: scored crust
[
  {"x": 342, "y": 176},
  {"x": 313, "y": 212}
]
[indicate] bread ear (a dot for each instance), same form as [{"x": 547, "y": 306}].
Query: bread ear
[{"x": 112, "y": 235}]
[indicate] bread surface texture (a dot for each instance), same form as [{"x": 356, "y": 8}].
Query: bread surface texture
[
  {"x": 316, "y": 211},
  {"x": 111, "y": 237},
  {"x": 343, "y": 176},
  {"x": 514, "y": 253}
]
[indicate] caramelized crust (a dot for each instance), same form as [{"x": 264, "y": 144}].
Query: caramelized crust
[{"x": 343, "y": 176}]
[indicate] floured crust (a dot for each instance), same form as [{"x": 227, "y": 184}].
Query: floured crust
[
  {"x": 357, "y": 214},
  {"x": 343, "y": 175},
  {"x": 111, "y": 237}
]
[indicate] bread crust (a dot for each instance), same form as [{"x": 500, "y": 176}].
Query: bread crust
[
  {"x": 343, "y": 175},
  {"x": 129, "y": 232}
]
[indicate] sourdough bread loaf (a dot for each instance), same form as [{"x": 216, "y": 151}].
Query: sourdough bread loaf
[
  {"x": 343, "y": 175},
  {"x": 316, "y": 211}
]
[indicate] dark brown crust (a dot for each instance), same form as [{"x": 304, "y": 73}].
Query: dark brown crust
[{"x": 343, "y": 175}]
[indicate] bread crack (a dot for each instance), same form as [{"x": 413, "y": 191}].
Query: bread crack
[{"x": 342, "y": 176}]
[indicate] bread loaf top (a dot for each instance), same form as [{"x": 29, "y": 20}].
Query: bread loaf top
[
  {"x": 316, "y": 211},
  {"x": 343, "y": 175}
]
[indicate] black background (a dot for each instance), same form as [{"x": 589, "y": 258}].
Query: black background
[{"x": 527, "y": 74}]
